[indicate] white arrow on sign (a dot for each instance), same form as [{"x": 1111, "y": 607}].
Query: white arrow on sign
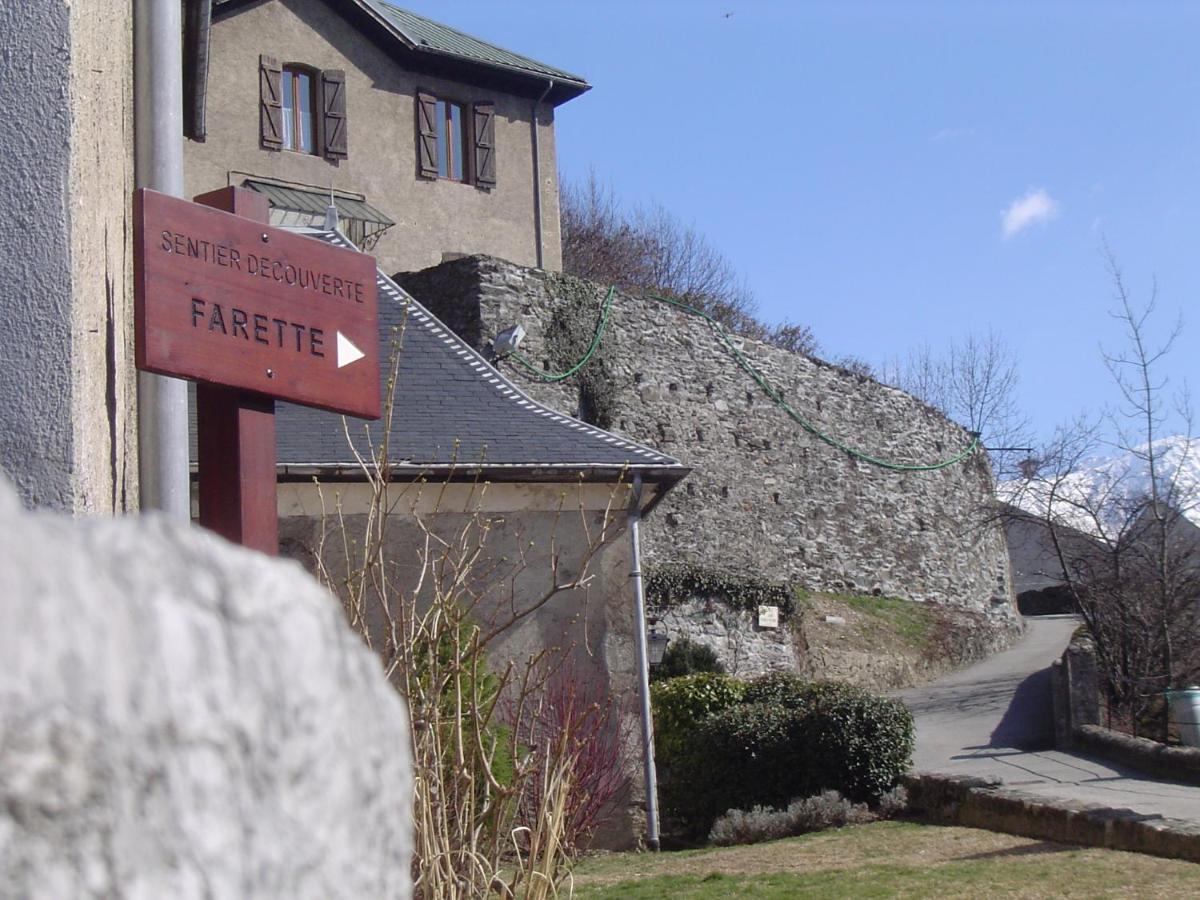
[{"x": 346, "y": 351}]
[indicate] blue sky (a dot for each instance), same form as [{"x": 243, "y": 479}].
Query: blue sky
[{"x": 856, "y": 161}]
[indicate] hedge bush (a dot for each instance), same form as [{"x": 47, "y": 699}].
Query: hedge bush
[
  {"x": 786, "y": 738},
  {"x": 682, "y": 703},
  {"x": 684, "y": 657},
  {"x": 793, "y": 692}
]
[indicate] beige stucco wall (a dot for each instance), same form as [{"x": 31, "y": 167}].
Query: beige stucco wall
[
  {"x": 67, "y": 393},
  {"x": 530, "y": 534},
  {"x": 432, "y": 217},
  {"x": 104, "y": 381}
]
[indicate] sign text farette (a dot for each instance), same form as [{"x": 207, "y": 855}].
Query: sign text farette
[{"x": 224, "y": 299}]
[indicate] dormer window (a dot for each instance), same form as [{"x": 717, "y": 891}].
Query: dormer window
[{"x": 297, "y": 96}]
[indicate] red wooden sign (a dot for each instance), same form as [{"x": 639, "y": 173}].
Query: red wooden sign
[{"x": 223, "y": 299}]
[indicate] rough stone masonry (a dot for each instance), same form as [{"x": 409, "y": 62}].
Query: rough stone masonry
[
  {"x": 765, "y": 496},
  {"x": 183, "y": 718}
]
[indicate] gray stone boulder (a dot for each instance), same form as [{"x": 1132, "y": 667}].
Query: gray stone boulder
[{"x": 183, "y": 718}]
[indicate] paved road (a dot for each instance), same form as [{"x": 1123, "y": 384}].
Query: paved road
[{"x": 994, "y": 720}]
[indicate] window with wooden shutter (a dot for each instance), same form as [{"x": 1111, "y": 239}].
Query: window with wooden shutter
[
  {"x": 484, "y": 132},
  {"x": 427, "y": 136},
  {"x": 270, "y": 103},
  {"x": 333, "y": 113}
]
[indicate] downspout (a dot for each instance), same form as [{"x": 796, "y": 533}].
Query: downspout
[
  {"x": 537, "y": 175},
  {"x": 643, "y": 667},
  {"x": 164, "y": 483}
]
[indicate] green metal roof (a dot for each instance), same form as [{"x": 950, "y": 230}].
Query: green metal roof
[
  {"x": 426, "y": 35},
  {"x": 316, "y": 202},
  {"x": 447, "y": 50}
]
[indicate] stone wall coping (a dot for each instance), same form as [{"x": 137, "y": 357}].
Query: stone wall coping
[
  {"x": 1161, "y": 760},
  {"x": 983, "y": 803}
]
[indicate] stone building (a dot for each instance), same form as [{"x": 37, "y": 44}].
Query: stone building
[
  {"x": 433, "y": 143},
  {"x": 767, "y": 495}
]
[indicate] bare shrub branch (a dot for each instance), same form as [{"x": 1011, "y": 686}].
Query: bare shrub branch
[
  {"x": 651, "y": 250},
  {"x": 974, "y": 382},
  {"x": 497, "y": 796}
]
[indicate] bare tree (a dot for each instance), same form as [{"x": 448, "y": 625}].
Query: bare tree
[
  {"x": 649, "y": 249},
  {"x": 974, "y": 382},
  {"x": 1118, "y": 536}
]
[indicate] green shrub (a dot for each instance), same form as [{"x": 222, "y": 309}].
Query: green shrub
[
  {"x": 684, "y": 657},
  {"x": 793, "y": 692},
  {"x": 788, "y": 738},
  {"x": 740, "y": 757},
  {"x": 682, "y": 703},
  {"x": 860, "y": 745}
]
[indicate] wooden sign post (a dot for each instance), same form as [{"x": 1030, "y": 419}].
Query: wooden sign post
[{"x": 252, "y": 314}]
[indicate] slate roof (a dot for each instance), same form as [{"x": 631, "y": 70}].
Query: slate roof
[{"x": 452, "y": 407}]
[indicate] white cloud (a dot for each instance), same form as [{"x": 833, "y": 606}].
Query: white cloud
[{"x": 1034, "y": 207}]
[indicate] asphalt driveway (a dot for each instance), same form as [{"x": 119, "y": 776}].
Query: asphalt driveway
[{"x": 993, "y": 720}]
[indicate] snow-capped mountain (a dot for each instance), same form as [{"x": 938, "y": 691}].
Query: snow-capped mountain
[{"x": 1100, "y": 493}]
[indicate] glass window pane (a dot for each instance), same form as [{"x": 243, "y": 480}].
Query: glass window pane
[
  {"x": 289, "y": 125},
  {"x": 456, "y": 141},
  {"x": 443, "y": 146},
  {"x": 304, "y": 97}
]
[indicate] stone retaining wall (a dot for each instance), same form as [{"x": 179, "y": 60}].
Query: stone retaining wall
[
  {"x": 978, "y": 803},
  {"x": 1151, "y": 757},
  {"x": 1076, "y": 692},
  {"x": 765, "y": 496}
]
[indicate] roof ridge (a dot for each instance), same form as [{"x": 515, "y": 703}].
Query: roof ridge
[{"x": 520, "y": 61}]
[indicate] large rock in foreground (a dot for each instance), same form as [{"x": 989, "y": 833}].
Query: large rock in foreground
[{"x": 183, "y": 718}]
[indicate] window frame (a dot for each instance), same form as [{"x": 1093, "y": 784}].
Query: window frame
[
  {"x": 289, "y": 73},
  {"x": 436, "y": 156},
  {"x": 446, "y": 145}
]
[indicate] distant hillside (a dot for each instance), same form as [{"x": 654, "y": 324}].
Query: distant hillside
[{"x": 1115, "y": 484}]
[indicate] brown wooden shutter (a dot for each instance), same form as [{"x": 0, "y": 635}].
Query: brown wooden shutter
[
  {"x": 270, "y": 104},
  {"x": 484, "y": 132},
  {"x": 427, "y": 142},
  {"x": 333, "y": 113}
]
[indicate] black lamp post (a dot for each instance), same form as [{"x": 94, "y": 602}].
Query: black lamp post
[{"x": 656, "y": 640}]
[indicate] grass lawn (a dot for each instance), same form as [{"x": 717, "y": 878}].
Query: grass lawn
[{"x": 887, "y": 859}]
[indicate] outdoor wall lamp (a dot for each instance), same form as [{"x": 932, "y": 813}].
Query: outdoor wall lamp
[
  {"x": 508, "y": 340},
  {"x": 656, "y": 640}
]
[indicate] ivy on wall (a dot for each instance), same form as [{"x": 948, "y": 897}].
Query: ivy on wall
[
  {"x": 673, "y": 584},
  {"x": 573, "y": 318}
]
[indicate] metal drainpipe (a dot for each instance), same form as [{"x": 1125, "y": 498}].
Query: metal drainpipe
[
  {"x": 164, "y": 482},
  {"x": 537, "y": 175},
  {"x": 643, "y": 667}
]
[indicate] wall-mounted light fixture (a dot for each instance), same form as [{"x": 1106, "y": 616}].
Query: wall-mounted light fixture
[
  {"x": 656, "y": 640},
  {"x": 508, "y": 340}
]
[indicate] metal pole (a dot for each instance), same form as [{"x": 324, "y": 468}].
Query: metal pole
[
  {"x": 643, "y": 667},
  {"x": 158, "y": 164},
  {"x": 537, "y": 177}
]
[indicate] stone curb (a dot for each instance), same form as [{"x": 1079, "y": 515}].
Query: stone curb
[
  {"x": 1161, "y": 760},
  {"x": 983, "y": 803}
]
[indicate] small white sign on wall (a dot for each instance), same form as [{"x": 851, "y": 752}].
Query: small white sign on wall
[{"x": 768, "y": 617}]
